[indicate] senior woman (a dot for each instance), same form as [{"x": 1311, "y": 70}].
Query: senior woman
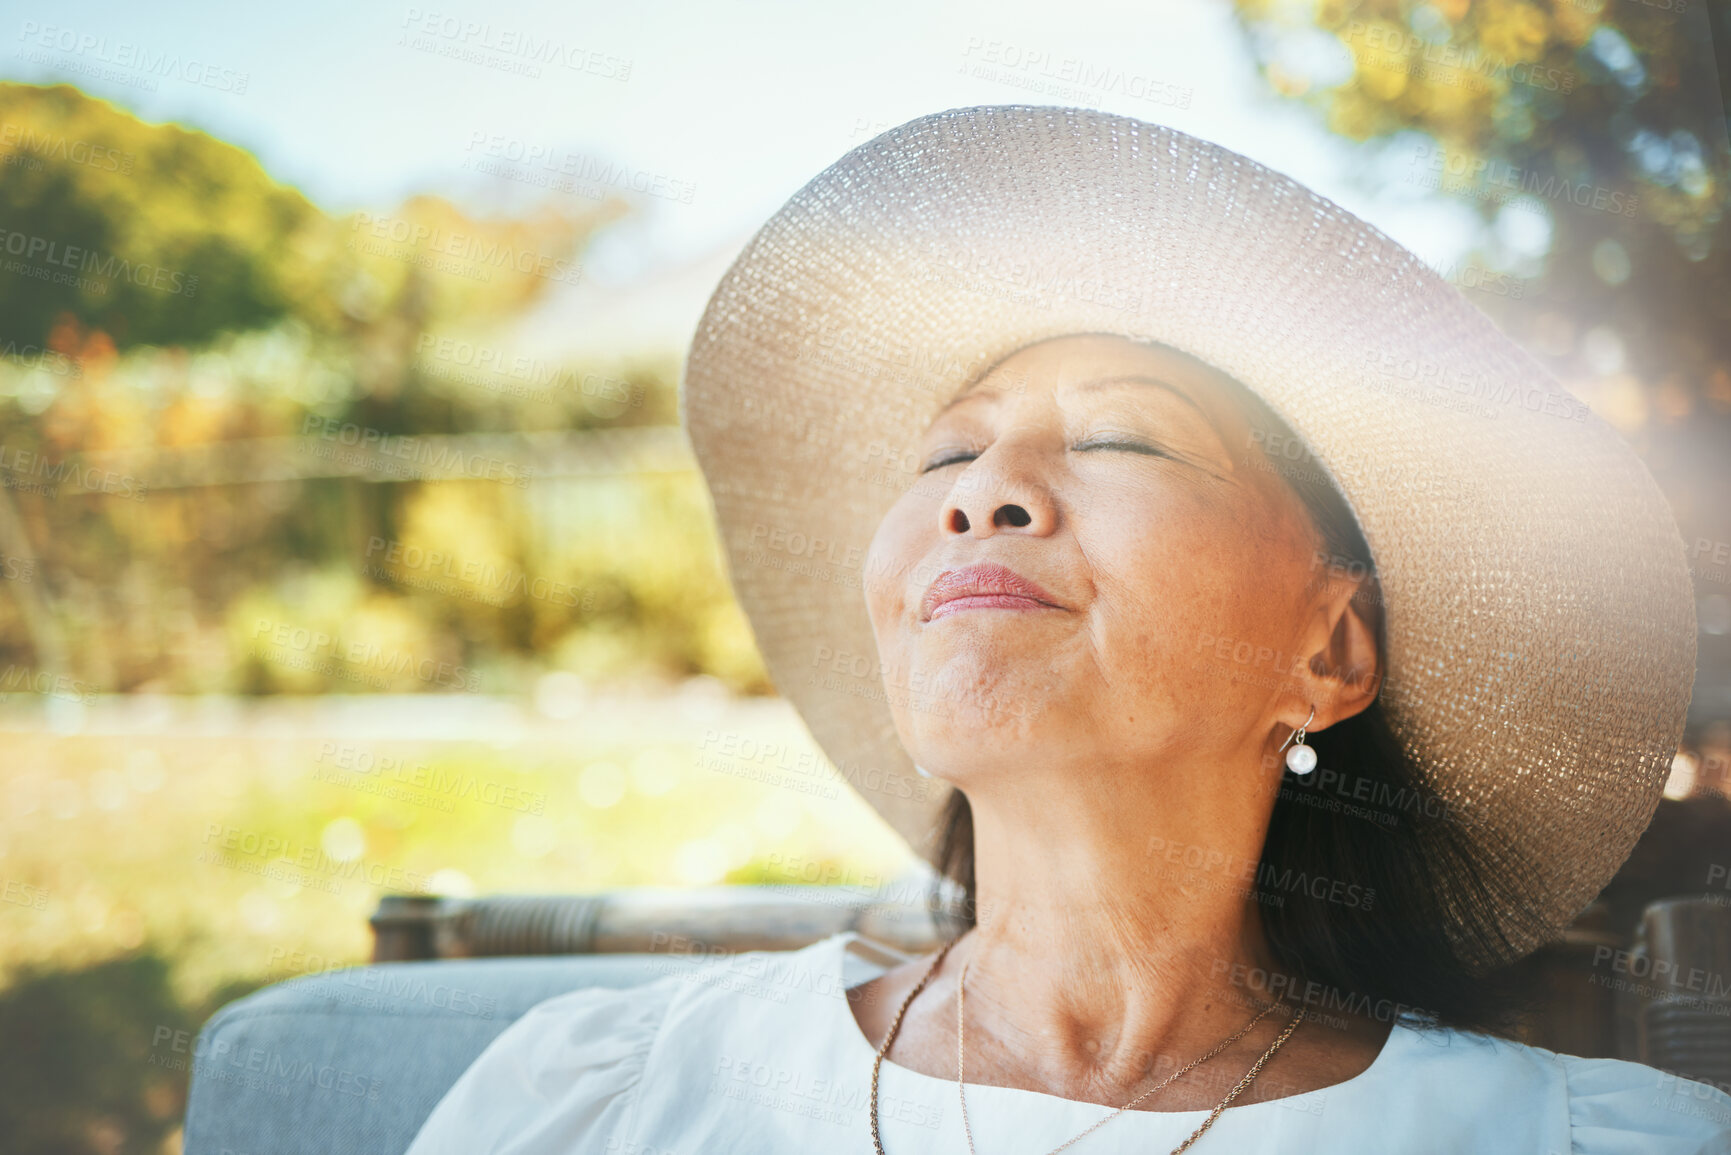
[{"x": 1095, "y": 493}]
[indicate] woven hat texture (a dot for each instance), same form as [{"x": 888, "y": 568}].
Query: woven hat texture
[{"x": 1540, "y": 626}]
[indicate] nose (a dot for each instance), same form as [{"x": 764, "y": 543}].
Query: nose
[{"x": 1000, "y": 491}]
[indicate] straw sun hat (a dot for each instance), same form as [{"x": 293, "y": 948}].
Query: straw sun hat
[{"x": 1540, "y": 625}]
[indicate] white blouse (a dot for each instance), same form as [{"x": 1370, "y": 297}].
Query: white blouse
[{"x": 762, "y": 1056}]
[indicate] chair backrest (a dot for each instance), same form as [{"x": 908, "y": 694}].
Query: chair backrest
[
  {"x": 352, "y": 1062},
  {"x": 1678, "y": 980},
  {"x": 680, "y": 920}
]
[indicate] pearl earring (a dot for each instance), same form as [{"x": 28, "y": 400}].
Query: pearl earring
[{"x": 1301, "y": 759}]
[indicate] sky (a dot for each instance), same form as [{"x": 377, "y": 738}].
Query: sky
[{"x": 731, "y": 105}]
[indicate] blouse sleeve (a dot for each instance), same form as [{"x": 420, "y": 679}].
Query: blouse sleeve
[
  {"x": 1623, "y": 1108},
  {"x": 561, "y": 1078}
]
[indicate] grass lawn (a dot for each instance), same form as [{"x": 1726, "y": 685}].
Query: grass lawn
[{"x": 241, "y": 842}]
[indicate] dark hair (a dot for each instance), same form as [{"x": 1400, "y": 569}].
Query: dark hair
[{"x": 1395, "y": 950}]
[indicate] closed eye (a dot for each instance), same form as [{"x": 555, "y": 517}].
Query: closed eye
[
  {"x": 950, "y": 459},
  {"x": 1128, "y": 446},
  {"x": 1108, "y": 443}
]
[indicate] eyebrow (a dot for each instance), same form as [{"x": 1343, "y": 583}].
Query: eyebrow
[
  {"x": 1100, "y": 383},
  {"x": 967, "y": 394},
  {"x": 1095, "y": 385}
]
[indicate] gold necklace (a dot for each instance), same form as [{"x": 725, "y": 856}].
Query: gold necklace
[{"x": 961, "y": 983}]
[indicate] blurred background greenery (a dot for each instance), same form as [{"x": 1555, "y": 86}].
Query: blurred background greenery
[{"x": 262, "y": 464}]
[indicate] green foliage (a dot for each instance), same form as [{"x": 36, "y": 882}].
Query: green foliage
[
  {"x": 1602, "y": 118},
  {"x": 158, "y": 234},
  {"x": 152, "y": 569},
  {"x": 97, "y": 1058},
  {"x": 150, "y": 232},
  {"x": 398, "y": 322}
]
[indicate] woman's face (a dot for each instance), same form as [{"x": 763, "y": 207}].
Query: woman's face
[{"x": 1149, "y": 548}]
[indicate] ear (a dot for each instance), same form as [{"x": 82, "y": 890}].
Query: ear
[{"x": 1342, "y": 668}]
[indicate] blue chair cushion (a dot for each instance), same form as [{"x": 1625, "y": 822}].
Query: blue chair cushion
[{"x": 353, "y": 1061}]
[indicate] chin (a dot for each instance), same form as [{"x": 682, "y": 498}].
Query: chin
[
  {"x": 990, "y": 682},
  {"x": 951, "y": 739}
]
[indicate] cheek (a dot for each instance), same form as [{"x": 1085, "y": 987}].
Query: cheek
[
  {"x": 1178, "y": 573},
  {"x": 1157, "y": 549},
  {"x": 892, "y": 564}
]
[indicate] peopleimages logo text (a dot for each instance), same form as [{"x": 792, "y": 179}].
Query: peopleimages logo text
[
  {"x": 466, "y": 246},
  {"x": 89, "y": 261}
]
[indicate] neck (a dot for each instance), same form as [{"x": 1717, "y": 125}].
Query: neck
[{"x": 1109, "y": 928}]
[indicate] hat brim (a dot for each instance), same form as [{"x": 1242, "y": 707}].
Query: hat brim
[{"x": 1540, "y": 625}]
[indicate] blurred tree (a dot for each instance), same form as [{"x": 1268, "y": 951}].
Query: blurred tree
[
  {"x": 387, "y": 321},
  {"x": 153, "y": 233},
  {"x": 1591, "y": 138},
  {"x": 158, "y": 234},
  {"x": 1603, "y": 119}
]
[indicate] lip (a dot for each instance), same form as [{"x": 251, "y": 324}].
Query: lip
[{"x": 983, "y": 586}]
